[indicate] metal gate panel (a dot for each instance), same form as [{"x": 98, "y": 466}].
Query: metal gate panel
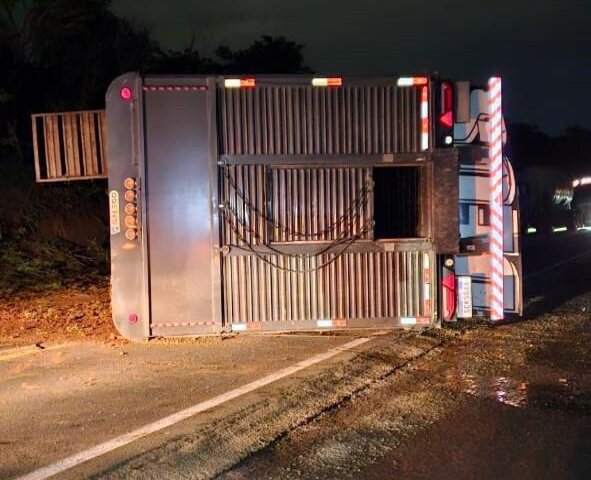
[
  {"x": 314, "y": 204},
  {"x": 179, "y": 207},
  {"x": 279, "y": 292},
  {"x": 69, "y": 145},
  {"x": 298, "y": 250},
  {"x": 295, "y": 119},
  {"x": 265, "y": 204}
]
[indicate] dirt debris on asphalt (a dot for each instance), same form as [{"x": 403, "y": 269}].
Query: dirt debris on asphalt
[
  {"x": 395, "y": 408},
  {"x": 75, "y": 312},
  {"x": 507, "y": 402},
  {"x": 352, "y": 418},
  {"x": 222, "y": 438}
]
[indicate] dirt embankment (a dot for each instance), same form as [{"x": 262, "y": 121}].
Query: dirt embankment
[
  {"x": 68, "y": 313},
  {"x": 54, "y": 262}
]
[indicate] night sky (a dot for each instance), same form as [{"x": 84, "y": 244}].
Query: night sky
[{"x": 542, "y": 48}]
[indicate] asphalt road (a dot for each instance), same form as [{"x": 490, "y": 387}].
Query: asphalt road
[
  {"x": 58, "y": 401},
  {"x": 461, "y": 403},
  {"x": 556, "y": 269},
  {"x": 512, "y": 402}
]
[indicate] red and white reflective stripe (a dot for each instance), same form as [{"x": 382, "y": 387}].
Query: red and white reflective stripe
[
  {"x": 330, "y": 323},
  {"x": 183, "y": 324},
  {"x": 495, "y": 153},
  {"x": 239, "y": 83},
  {"x": 327, "y": 82},
  {"x": 412, "y": 81},
  {"x": 426, "y": 284},
  {"x": 243, "y": 327},
  {"x": 175, "y": 88},
  {"x": 415, "y": 320},
  {"x": 425, "y": 118}
]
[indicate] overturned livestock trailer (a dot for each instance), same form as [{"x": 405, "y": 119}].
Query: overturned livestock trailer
[{"x": 298, "y": 202}]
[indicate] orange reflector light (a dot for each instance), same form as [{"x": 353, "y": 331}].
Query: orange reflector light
[
  {"x": 129, "y": 183},
  {"x": 129, "y": 196},
  {"x": 130, "y": 208},
  {"x": 412, "y": 81},
  {"x": 239, "y": 83},
  {"x": 130, "y": 234},
  {"x": 130, "y": 221},
  {"x": 327, "y": 82}
]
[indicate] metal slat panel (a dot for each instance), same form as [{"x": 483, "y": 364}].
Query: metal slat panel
[
  {"x": 70, "y": 144},
  {"x": 88, "y": 144},
  {"x": 49, "y": 146},
  {"x": 361, "y": 285},
  {"x": 367, "y": 119},
  {"x": 365, "y": 284}
]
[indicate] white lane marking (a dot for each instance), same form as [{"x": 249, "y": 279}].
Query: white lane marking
[{"x": 101, "y": 449}]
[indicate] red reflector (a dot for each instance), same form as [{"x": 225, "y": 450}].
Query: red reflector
[
  {"x": 449, "y": 297},
  {"x": 133, "y": 318},
  {"x": 447, "y": 119},
  {"x": 447, "y": 105},
  {"x": 126, "y": 93}
]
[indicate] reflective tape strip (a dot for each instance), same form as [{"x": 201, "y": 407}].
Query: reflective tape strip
[
  {"x": 175, "y": 88},
  {"x": 495, "y": 154},
  {"x": 412, "y": 81},
  {"x": 408, "y": 321},
  {"x": 243, "y": 327},
  {"x": 425, "y": 118},
  {"x": 327, "y": 82},
  {"x": 183, "y": 324},
  {"x": 239, "y": 82},
  {"x": 340, "y": 322},
  {"x": 426, "y": 284}
]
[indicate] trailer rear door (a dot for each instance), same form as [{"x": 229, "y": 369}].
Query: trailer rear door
[{"x": 178, "y": 159}]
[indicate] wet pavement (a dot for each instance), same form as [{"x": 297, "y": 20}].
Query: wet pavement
[
  {"x": 485, "y": 439},
  {"x": 510, "y": 402},
  {"x": 470, "y": 401}
]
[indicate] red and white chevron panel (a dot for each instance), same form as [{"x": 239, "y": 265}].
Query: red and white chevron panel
[{"x": 495, "y": 154}]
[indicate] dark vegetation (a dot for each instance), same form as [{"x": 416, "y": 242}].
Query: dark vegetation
[{"x": 58, "y": 55}]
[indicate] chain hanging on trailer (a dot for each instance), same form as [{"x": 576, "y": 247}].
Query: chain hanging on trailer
[
  {"x": 338, "y": 241},
  {"x": 360, "y": 200},
  {"x": 348, "y": 242}
]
